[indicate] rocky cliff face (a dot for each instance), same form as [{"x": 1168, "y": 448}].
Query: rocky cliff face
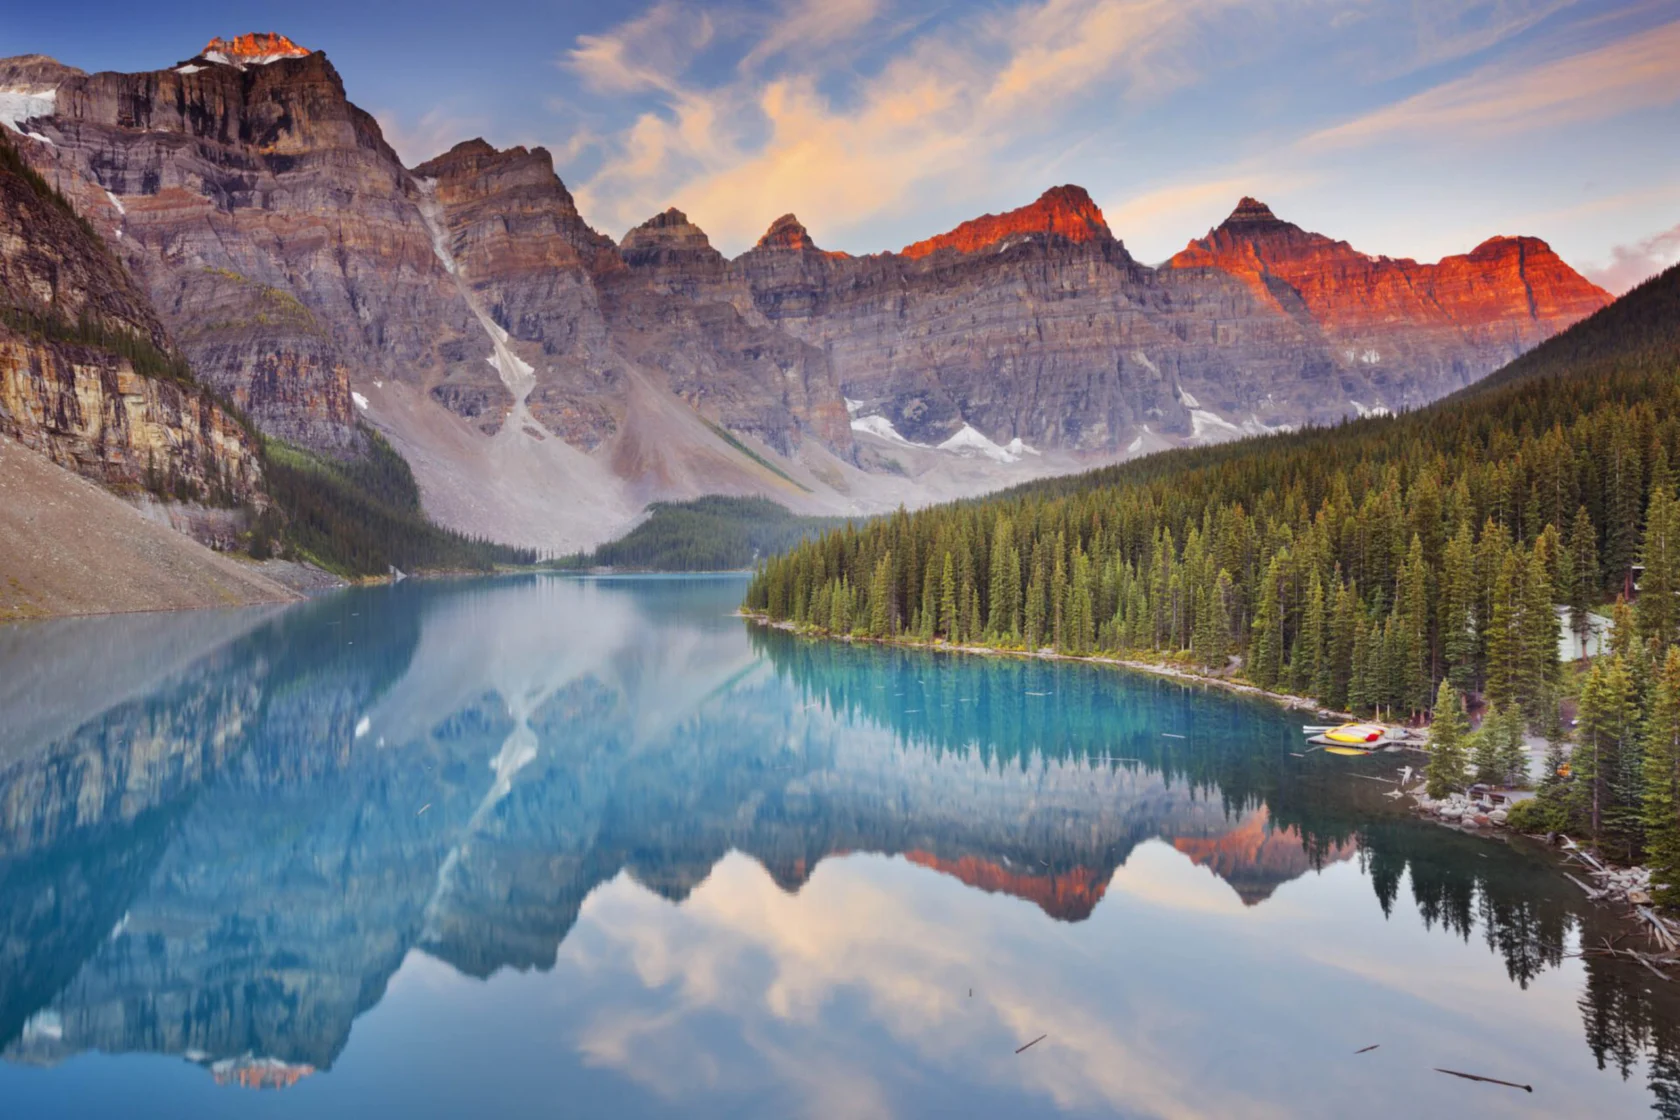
[
  {"x": 266, "y": 218},
  {"x": 545, "y": 382},
  {"x": 1419, "y": 329},
  {"x": 87, "y": 372}
]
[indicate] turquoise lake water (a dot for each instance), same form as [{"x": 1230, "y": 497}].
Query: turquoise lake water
[{"x": 545, "y": 846}]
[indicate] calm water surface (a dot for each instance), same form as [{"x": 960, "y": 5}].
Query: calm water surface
[{"x": 537, "y": 847}]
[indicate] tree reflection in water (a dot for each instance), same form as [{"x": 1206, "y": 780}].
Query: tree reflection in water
[{"x": 232, "y": 860}]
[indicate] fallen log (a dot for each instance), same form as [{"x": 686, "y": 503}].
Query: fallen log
[
  {"x": 1592, "y": 892},
  {"x": 1489, "y": 1080}
]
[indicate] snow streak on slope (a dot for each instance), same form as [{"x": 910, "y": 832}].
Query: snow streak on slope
[{"x": 518, "y": 485}]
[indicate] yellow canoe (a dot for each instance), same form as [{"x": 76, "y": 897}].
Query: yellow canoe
[{"x": 1355, "y": 734}]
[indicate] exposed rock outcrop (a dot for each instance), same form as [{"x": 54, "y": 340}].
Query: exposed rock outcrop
[
  {"x": 521, "y": 360},
  {"x": 87, "y": 372},
  {"x": 1066, "y": 212},
  {"x": 1423, "y": 328}
]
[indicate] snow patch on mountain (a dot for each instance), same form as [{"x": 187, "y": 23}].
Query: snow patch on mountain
[
  {"x": 881, "y": 428},
  {"x": 970, "y": 440},
  {"x": 20, "y": 105},
  {"x": 1211, "y": 427}
]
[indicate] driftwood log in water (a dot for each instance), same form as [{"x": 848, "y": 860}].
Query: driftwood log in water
[{"x": 1489, "y": 1080}]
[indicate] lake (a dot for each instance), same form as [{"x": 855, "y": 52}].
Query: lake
[{"x": 539, "y": 846}]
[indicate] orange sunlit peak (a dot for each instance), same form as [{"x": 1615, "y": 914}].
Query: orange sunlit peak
[{"x": 257, "y": 46}]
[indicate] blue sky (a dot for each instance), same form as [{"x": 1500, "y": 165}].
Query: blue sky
[{"x": 1407, "y": 127}]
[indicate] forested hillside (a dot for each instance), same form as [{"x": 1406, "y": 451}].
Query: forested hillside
[
  {"x": 710, "y": 534},
  {"x": 1360, "y": 565},
  {"x": 361, "y": 516}
]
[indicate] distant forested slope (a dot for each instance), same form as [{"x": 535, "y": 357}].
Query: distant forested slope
[
  {"x": 713, "y": 533},
  {"x": 362, "y": 516}
]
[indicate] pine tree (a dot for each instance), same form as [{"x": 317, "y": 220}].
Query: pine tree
[
  {"x": 1361, "y": 696},
  {"x": 1002, "y": 617},
  {"x": 929, "y": 617},
  {"x": 1343, "y": 627},
  {"x": 1625, "y": 487},
  {"x": 1265, "y": 649},
  {"x": 1540, "y": 633},
  {"x": 1458, "y": 609},
  {"x": 883, "y": 613},
  {"x": 1081, "y": 613},
  {"x": 1658, "y": 607},
  {"x": 1033, "y": 620},
  {"x": 1219, "y": 641},
  {"x": 949, "y": 624},
  {"x": 1411, "y": 614},
  {"x": 1504, "y": 635},
  {"x": 1483, "y": 748},
  {"x": 840, "y": 609},
  {"x": 1445, "y": 771},
  {"x": 1305, "y": 665},
  {"x": 1588, "y": 584},
  {"x": 1607, "y": 784},
  {"x": 1661, "y": 806},
  {"x": 1510, "y": 748}
]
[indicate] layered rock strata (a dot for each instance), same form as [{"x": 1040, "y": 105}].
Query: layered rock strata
[
  {"x": 88, "y": 374},
  {"x": 521, "y": 359}
]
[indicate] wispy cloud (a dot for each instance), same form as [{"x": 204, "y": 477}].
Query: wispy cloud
[
  {"x": 805, "y": 27},
  {"x": 1635, "y": 72},
  {"x": 871, "y": 118},
  {"x": 1187, "y": 209},
  {"x": 1450, "y": 29},
  {"x": 1631, "y": 264},
  {"x": 649, "y": 52},
  {"x": 433, "y": 133},
  {"x": 737, "y": 153}
]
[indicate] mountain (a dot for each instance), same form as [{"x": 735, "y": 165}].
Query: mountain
[
  {"x": 88, "y": 374},
  {"x": 94, "y": 390},
  {"x": 1459, "y": 318},
  {"x": 546, "y": 383},
  {"x": 1365, "y": 565}
]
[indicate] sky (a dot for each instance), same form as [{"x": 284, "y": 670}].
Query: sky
[{"x": 1412, "y": 128}]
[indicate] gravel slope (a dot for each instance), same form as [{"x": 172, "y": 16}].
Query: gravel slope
[{"x": 69, "y": 547}]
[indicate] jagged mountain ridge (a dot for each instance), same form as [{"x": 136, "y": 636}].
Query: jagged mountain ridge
[{"x": 546, "y": 382}]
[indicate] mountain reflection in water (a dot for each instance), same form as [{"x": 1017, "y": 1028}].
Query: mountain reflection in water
[{"x": 448, "y": 846}]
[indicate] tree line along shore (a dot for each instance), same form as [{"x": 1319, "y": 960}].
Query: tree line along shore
[{"x": 1384, "y": 566}]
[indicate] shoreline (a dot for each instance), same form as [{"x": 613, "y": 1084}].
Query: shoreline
[
  {"x": 1286, "y": 700},
  {"x": 1615, "y": 881}
]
